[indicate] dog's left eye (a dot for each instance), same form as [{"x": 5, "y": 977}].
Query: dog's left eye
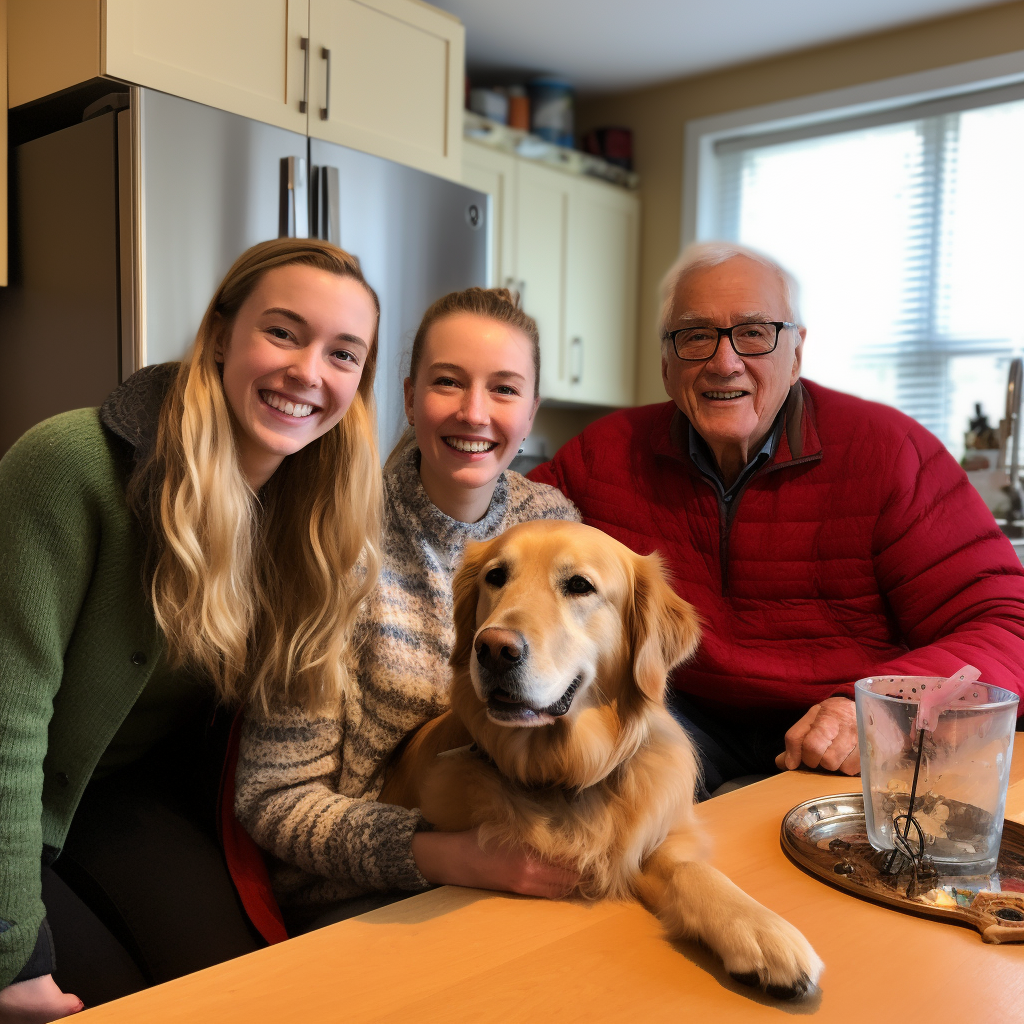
[
  {"x": 579, "y": 585},
  {"x": 497, "y": 577}
]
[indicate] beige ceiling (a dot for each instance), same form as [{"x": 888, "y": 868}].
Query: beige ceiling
[{"x": 609, "y": 45}]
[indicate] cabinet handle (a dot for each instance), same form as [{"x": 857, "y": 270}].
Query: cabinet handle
[
  {"x": 325, "y": 110},
  {"x": 304, "y": 102},
  {"x": 577, "y": 350},
  {"x": 518, "y": 287},
  {"x": 293, "y": 216}
]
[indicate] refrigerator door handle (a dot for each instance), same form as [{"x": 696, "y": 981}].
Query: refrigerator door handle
[
  {"x": 304, "y": 102},
  {"x": 332, "y": 205},
  {"x": 325, "y": 110},
  {"x": 326, "y": 205},
  {"x": 293, "y": 212},
  {"x": 314, "y": 201}
]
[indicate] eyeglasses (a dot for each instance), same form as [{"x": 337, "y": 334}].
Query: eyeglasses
[{"x": 698, "y": 344}]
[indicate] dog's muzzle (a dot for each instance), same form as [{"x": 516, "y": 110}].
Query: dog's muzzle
[{"x": 501, "y": 656}]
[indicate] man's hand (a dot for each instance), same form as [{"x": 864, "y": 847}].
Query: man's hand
[
  {"x": 36, "y": 1001},
  {"x": 826, "y": 737}
]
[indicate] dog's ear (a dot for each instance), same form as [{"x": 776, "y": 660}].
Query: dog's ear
[
  {"x": 664, "y": 629},
  {"x": 465, "y": 595}
]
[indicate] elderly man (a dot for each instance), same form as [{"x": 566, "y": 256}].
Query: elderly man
[{"x": 821, "y": 537}]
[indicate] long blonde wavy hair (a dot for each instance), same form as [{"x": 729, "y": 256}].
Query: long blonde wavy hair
[{"x": 260, "y": 592}]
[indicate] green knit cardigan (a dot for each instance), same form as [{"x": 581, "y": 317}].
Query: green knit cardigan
[{"x": 78, "y": 642}]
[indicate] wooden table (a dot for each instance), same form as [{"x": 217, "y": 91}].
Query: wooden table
[{"x": 463, "y": 955}]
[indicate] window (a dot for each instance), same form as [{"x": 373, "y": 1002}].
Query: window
[{"x": 904, "y": 230}]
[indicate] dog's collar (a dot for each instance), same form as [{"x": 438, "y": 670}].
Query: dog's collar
[
  {"x": 569, "y": 792},
  {"x": 470, "y": 748},
  {"x": 475, "y": 748}
]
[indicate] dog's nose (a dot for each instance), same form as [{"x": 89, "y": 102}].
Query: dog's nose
[{"x": 500, "y": 649}]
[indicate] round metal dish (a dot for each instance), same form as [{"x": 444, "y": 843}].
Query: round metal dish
[{"x": 827, "y": 838}]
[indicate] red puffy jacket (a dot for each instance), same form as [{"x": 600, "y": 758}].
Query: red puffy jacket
[{"x": 859, "y": 549}]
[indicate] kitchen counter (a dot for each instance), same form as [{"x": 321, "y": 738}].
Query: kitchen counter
[{"x": 462, "y": 955}]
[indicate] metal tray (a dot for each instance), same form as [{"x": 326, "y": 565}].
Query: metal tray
[{"x": 827, "y": 838}]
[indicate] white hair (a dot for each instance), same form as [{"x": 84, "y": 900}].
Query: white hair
[{"x": 701, "y": 255}]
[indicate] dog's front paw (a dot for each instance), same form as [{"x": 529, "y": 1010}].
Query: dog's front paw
[{"x": 760, "y": 948}]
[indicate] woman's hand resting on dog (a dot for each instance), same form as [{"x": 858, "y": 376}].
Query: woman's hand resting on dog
[{"x": 456, "y": 858}]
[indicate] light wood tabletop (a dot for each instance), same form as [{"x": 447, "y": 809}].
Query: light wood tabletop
[{"x": 462, "y": 955}]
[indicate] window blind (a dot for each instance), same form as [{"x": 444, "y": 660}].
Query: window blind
[{"x": 903, "y": 230}]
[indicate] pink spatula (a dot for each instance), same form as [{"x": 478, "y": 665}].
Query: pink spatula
[
  {"x": 942, "y": 694},
  {"x": 929, "y": 707}
]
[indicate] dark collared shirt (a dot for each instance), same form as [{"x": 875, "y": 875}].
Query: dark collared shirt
[{"x": 702, "y": 458}]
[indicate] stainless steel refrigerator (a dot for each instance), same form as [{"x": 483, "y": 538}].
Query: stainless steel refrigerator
[{"x": 124, "y": 223}]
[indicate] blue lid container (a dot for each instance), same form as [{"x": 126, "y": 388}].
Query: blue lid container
[{"x": 551, "y": 110}]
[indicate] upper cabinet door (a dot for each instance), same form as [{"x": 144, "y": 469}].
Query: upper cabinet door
[
  {"x": 541, "y": 227},
  {"x": 601, "y": 287},
  {"x": 387, "y": 78},
  {"x": 488, "y": 170},
  {"x": 243, "y": 56}
]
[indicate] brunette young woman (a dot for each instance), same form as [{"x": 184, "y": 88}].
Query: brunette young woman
[
  {"x": 193, "y": 542},
  {"x": 306, "y": 782}
]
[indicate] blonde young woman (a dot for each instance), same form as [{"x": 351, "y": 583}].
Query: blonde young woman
[
  {"x": 190, "y": 543},
  {"x": 307, "y": 782}
]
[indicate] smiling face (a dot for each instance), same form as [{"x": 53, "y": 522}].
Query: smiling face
[
  {"x": 471, "y": 405},
  {"x": 292, "y": 360},
  {"x": 732, "y": 400}
]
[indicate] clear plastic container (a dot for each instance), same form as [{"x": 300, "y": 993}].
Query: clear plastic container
[{"x": 965, "y": 768}]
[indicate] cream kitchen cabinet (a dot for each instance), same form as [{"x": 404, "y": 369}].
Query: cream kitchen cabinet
[
  {"x": 539, "y": 272},
  {"x": 491, "y": 171},
  {"x": 237, "y": 55},
  {"x": 243, "y": 56},
  {"x": 387, "y": 78},
  {"x": 599, "y": 347},
  {"x": 569, "y": 245},
  {"x": 383, "y": 76}
]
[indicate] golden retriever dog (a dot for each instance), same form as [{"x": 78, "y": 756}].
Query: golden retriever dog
[{"x": 564, "y": 640}]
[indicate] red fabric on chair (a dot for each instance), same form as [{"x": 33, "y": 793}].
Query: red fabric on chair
[{"x": 245, "y": 861}]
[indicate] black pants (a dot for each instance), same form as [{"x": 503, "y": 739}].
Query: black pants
[
  {"x": 731, "y": 742},
  {"x": 141, "y": 893}
]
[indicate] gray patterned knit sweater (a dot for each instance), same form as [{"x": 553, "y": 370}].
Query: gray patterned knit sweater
[{"x": 306, "y": 786}]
